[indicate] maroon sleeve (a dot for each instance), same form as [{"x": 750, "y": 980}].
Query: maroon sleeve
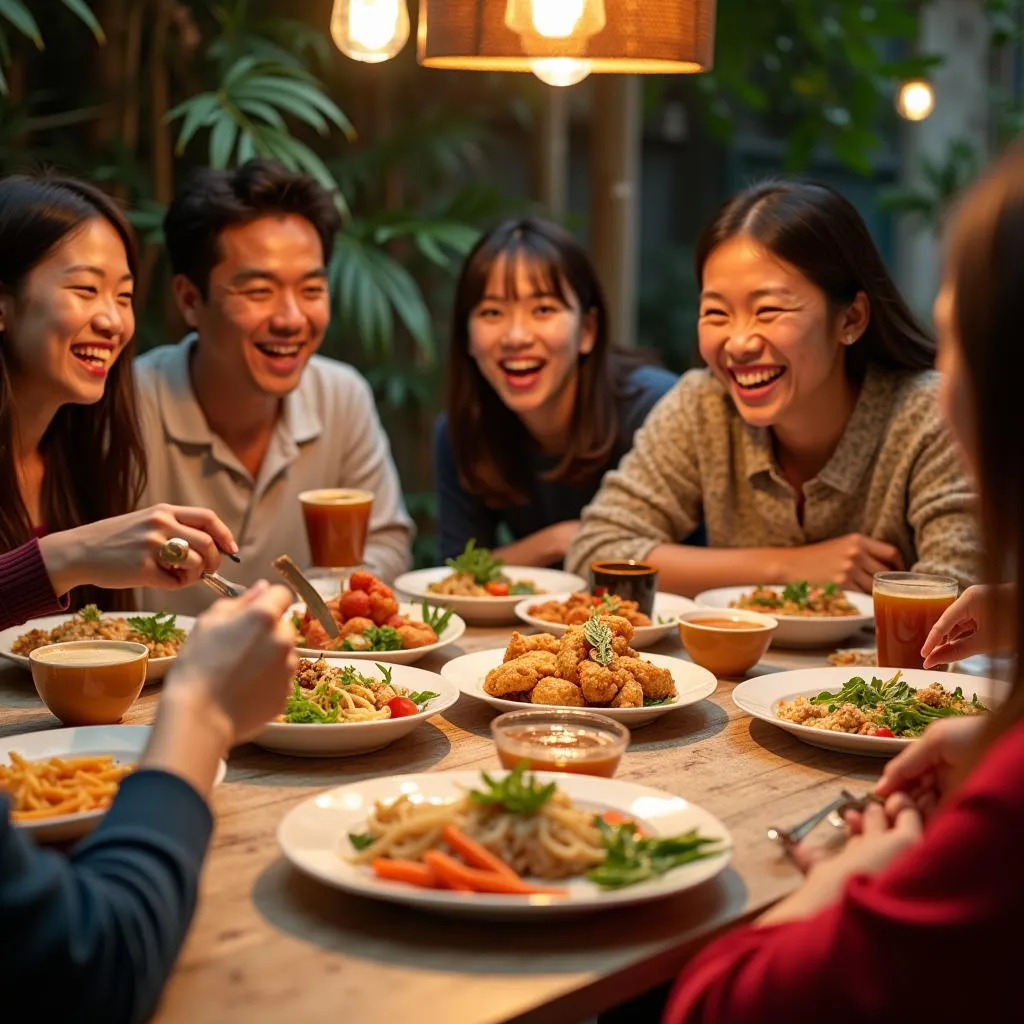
[
  {"x": 25, "y": 587},
  {"x": 903, "y": 945}
]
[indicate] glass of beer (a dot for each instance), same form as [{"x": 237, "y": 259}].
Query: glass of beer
[
  {"x": 907, "y": 605},
  {"x": 337, "y": 521}
]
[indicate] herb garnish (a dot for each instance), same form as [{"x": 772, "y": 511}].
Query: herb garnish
[
  {"x": 478, "y": 563},
  {"x": 361, "y": 840},
  {"x": 518, "y": 793},
  {"x": 89, "y": 613},
  {"x": 599, "y": 635},
  {"x": 377, "y": 638},
  {"x": 159, "y": 628},
  {"x": 436, "y": 618}
]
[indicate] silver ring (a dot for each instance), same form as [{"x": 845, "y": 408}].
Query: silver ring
[{"x": 173, "y": 552}]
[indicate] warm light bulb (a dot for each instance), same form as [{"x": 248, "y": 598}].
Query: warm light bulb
[
  {"x": 560, "y": 71},
  {"x": 555, "y": 20},
  {"x": 555, "y": 28},
  {"x": 915, "y": 100},
  {"x": 370, "y": 30}
]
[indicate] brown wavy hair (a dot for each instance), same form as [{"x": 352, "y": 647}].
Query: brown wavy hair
[
  {"x": 985, "y": 266},
  {"x": 93, "y": 455},
  {"x": 819, "y": 232},
  {"x": 488, "y": 439}
]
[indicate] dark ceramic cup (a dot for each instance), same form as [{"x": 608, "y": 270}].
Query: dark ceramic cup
[{"x": 631, "y": 580}]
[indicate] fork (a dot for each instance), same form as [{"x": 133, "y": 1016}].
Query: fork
[
  {"x": 846, "y": 801},
  {"x": 222, "y": 586}
]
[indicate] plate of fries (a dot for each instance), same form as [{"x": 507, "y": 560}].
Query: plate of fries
[{"x": 60, "y": 782}]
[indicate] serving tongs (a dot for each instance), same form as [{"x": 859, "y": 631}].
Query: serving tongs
[{"x": 846, "y": 801}]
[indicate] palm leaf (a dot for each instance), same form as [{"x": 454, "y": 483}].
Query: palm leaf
[{"x": 84, "y": 13}]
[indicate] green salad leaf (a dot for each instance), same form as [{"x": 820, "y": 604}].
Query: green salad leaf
[
  {"x": 518, "y": 792},
  {"x": 159, "y": 628},
  {"x": 478, "y": 562}
]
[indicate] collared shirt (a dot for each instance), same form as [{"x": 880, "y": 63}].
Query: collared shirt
[
  {"x": 894, "y": 476},
  {"x": 328, "y": 435}
]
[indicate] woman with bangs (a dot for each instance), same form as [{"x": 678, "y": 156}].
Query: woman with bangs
[
  {"x": 540, "y": 404},
  {"x": 811, "y": 448}
]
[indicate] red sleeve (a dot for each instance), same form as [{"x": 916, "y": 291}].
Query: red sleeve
[
  {"x": 952, "y": 904},
  {"x": 25, "y": 587}
]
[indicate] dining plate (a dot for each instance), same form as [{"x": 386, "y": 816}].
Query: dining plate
[
  {"x": 314, "y": 837},
  {"x": 667, "y": 609},
  {"x": 761, "y": 697},
  {"x": 479, "y": 611},
  {"x": 156, "y": 668},
  {"x": 802, "y": 630},
  {"x": 125, "y": 743},
  {"x": 693, "y": 683},
  {"x": 453, "y": 631},
  {"x": 343, "y": 739}
]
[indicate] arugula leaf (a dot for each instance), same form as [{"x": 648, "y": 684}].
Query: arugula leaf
[
  {"x": 519, "y": 792},
  {"x": 159, "y": 628},
  {"x": 478, "y": 563},
  {"x": 799, "y": 593},
  {"x": 378, "y": 638},
  {"x": 385, "y": 671},
  {"x": 599, "y": 635},
  {"x": 421, "y": 697},
  {"x": 361, "y": 840},
  {"x": 653, "y": 702}
]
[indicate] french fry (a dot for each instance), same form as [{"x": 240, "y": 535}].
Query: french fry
[{"x": 60, "y": 785}]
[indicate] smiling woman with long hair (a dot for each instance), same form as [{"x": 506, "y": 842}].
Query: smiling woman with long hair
[{"x": 811, "y": 447}]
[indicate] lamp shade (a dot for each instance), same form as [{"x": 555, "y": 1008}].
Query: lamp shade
[{"x": 639, "y": 37}]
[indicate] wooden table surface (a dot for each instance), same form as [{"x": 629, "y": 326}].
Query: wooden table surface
[{"x": 269, "y": 944}]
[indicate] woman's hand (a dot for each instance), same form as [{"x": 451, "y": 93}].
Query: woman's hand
[
  {"x": 972, "y": 624},
  {"x": 850, "y": 561},
  {"x": 121, "y": 552},
  {"x": 884, "y": 833}
]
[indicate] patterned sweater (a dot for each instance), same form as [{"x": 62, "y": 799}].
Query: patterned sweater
[{"x": 894, "y": 476}]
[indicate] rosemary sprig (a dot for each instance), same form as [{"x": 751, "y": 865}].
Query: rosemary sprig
[{"x": 599, "y": 635}]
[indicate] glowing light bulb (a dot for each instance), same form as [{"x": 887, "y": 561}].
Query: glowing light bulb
[
  {"x": 915, "y": 100},
  {"x": 555, "y": 28},
  {"x": 560, "y": 71},
  {"x": 370, "y": 30}
]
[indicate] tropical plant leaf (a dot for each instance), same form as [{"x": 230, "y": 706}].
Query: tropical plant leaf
[
  {"x": 21, "y": 18},
  {"x": 199, "y": 111},
  {"x": 222, "y": 141},
  {"x": 85, "y": 14}
]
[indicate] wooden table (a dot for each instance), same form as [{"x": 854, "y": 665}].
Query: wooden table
[{"x": 268, "y": 944}]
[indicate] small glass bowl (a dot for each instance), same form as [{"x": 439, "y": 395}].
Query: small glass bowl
[{"x": 554, "y": 740}]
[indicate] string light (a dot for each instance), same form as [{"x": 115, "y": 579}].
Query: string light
[{"x": 370, "y": 30}]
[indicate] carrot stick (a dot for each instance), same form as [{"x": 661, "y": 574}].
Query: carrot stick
[
  {"x": 455, "y": 873},
  {"x": 474, "y": 854},
  {"x": 409, "y": 871},
  {"x": 618, "y": 818}
]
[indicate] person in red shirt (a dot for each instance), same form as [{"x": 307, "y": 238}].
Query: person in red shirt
[{"x": 918, "y": 917}]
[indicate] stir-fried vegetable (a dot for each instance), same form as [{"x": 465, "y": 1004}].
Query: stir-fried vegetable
[{"x": 519, "y": 792}]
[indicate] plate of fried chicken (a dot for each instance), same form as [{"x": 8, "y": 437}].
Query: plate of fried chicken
[{"x": 589, "y": 666}]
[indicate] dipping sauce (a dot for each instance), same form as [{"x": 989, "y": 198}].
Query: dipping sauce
[
  {"x": 554, "y": 748},
  {"x": 907, "y": 605},
  {"x": 65, "y": 654},
  {"x": 337, "y": 522},
  {"x": 725, "y": 623}
]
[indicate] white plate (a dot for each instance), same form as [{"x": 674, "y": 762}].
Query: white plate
[
  {"x": 125, "y": 743},
  {"x": 346, "y": 738},
  {"x": 762, "y": 695},
  {"x": 693, "y": 683},
  {"x": 801, "y": 630},
  {"x": 455, "y": 628},
  {"x": 667, "y": 607},
  {"x": 314, "y": 837},
  {"x": 478, "y": 611},
  {"x": 156, "y": 668}
]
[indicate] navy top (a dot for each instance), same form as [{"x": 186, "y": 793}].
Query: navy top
[
  {"x": 93, "y": 937},
  {"x": 461, "y": 515}
]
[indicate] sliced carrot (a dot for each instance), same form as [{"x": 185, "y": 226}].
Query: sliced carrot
[
  {"x": 455, "y": 873},
  {"x": 409, "y": 871},
  {"x": 474, "y": 854},
  {"x": 618, "y": 818}
]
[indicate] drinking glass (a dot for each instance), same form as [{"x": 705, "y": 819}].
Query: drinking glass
[
  {"x": 337, "y": 522},
  {"x": 907, "y": 605}
]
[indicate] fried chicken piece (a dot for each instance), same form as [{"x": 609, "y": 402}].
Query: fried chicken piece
[
  {"x": 577, "y": 616},
  {"x": 382, "y": 606},
  {"x": 356, "y": 627},
  {"x": 636, "y": 618},
  {"x": 572, "y": 649},
  {"x": 552, "y": 690},
  {"x": 620, "y": 627},
  {"x": 520, "y": 675},
  {"x": 599, "y": 684},
  {"x": 630, "y": 695},
  {"x": 416, "y": 634},
  {"x": 549, "y": 611},
  {"x": 655, "y": 682},
  {"x": 520, "y": 644}
]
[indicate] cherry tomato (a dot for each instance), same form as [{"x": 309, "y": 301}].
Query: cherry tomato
[
  {"x": 402, "y": 707},
  {"x": 884, "y": 732},
  {"x": 496, "y": 589}
]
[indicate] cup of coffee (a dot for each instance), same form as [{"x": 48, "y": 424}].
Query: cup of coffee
[
  {"x": 337, "y": 522},
  {"x": 628, "y": 579},
  {"x": 907, "y": 605}
]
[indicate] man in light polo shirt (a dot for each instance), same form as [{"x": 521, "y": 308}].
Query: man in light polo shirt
[{"x": 241, "y": 416}]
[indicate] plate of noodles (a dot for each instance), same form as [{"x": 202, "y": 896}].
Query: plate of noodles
[
  {"x": 511, "y": 845},
  {"x": 339, "y": 707},
  {"x": 61, "y": 781},
  {"x": 162, "y": 632},
  {"x": 808, "y": 615}
]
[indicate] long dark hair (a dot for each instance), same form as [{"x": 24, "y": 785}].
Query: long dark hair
[
  {"x": 487, "y": 437},
  {"x": 820, "y": 233},
  {"x": 986, "y": 269},
  {"x": 93, "y": 454}
]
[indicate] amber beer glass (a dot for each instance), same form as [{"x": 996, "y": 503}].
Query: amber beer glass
[
  {"x": 337, "y": 521},
  {"x": 907, "y": 605}
]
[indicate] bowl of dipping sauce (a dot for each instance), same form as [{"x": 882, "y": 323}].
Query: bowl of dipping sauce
[
  {"x": 726, "y": 642},
  {"x": 89, "y": 682},
  {"x": 560, "y": 741}
]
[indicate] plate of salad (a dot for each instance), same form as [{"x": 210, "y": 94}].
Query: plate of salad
[
  {"x": 874, "y": 711},
  {"x": 338, "y": 707},
  {"x": 481, "y": 588}
]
